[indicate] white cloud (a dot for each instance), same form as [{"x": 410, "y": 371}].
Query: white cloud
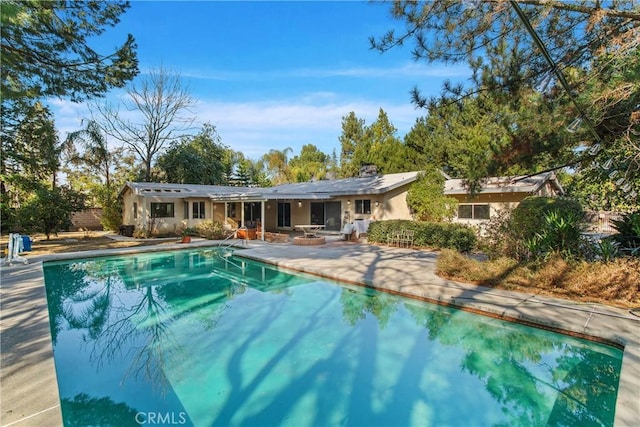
[
  {"x": 256, "y": 127},
  {"x": 68, "y": 116},
  {"x": 409, "y": 69}
]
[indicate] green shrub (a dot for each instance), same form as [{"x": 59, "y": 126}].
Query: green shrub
[
  {"x": 209, "y": 229},
  {"x": 499, "y": 238},
  {"x": 111, "y": 204},
  {"x": 628, "y": 233},
  {"x": 561, "y": 233},
  {"x": 427, "y": 234},
  {"x": 463, "y": 239},
  {"x": 542, "y": 225},
  {"x": 528, "y": 218},
  {"x": 605, "y": 249}
]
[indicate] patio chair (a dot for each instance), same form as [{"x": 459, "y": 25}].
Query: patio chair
[
  {"x": 393, "y": 238},
  {"x": 406, "y": 240}
]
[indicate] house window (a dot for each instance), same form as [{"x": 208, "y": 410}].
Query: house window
[
  {"x": 198, "y": 210},
  {"x": 135, "y": 210},
  {"x": 162, "y": 210},
  {"x": 363, "y": 206},
  {"x": 185, "y": 210},
  {"x": 473, "y": 211}
]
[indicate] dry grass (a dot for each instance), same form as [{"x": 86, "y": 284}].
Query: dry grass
[
  {"x": 79, "y": 241},
  {"x": 615, "y": 283}
]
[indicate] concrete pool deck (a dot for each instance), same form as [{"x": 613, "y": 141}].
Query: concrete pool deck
[{"x": 28, "y": 385}]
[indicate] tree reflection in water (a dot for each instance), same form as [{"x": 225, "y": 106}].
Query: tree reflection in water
[
  {"x": 134, "y": 326},
  {"x": 128, "y": 309},
  {"x": 84, "y": 410},
  {"x": 519, "y": 367}
]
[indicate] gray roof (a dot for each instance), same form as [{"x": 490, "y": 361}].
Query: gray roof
[
  {"x": 191, "y": 190},
  {"x": 324, "y": 190},
  {"x": 505, "y": 184},
  {"x": 345, "y": 187},
  {"x": 317, "y": 190}
]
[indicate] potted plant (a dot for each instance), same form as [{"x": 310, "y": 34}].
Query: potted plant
[{"x": 186, "y": 235}]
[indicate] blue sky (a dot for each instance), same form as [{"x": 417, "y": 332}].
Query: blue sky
[{"x": 275, "y": 75}]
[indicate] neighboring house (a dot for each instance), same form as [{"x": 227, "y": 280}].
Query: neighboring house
[{"x": 332, "y": 203}]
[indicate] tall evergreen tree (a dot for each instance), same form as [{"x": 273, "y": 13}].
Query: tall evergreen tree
[
  {"x": 46, "y": 53},
  {"x": 546, "y": 62},
  {"x": 352, "y": 136}
]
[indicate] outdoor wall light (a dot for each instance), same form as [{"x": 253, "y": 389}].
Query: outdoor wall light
[
  {"x": 299, "y": 203},
  {"x": 377, "y": 203},
  {"x": 348, "y": 202}
]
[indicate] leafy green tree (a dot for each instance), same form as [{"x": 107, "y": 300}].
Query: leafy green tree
[
  {"x": 250, "y": 173},
  {"x": 49, "y": 210},
  {"x": 108, "y": 198},
  {"x": 198, "y": 159},
  {"x": 311, "y": 164},
  {"x": 97, "y": 162},
  {"x": 229, "y": 162},
  {"x": 31, "y": 160},
  {"x": 46, "y": 52},
  {"x": 277, "y": 166},
  {"x": 426, "y": 198}
]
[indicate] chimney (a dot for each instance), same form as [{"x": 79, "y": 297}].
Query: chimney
[{"x": 368, "y": 169}]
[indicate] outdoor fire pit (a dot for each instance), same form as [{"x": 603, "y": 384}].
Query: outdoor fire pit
[{"x": 309, "y": 240}]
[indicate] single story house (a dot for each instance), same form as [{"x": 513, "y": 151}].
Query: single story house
[
  {"x": 499, "y": 193},
  {"x": 169, "y": 208}
]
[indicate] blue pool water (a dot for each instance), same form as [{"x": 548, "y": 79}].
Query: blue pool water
[{"x": 192, "y": 338}]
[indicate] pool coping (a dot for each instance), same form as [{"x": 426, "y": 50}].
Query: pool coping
[{"x": 28, "y": 384}]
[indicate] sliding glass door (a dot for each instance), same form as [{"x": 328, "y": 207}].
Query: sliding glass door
[{"x": 284, "y": 214}]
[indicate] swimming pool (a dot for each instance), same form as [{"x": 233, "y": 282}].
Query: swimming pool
[{"x": 192, "y": 338}]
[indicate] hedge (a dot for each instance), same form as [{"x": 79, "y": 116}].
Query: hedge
[
  {"x": 528, "y": 218},
  {"x": 427, "y": 234}
]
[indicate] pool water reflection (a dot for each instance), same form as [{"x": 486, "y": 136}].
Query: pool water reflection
[{"x": 192, "y": 338}]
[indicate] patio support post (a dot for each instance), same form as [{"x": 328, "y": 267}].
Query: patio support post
[
  {"x": 262, "y": 218},
  {"x": 242, "y": 214},
  {"x": 144, "y": 212}
]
